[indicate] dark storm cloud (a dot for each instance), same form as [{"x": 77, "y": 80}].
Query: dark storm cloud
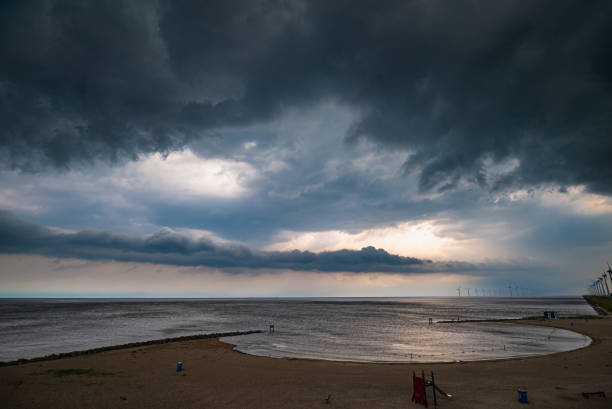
[
  {"x": 457, "y": 84},
  {"x": 169, "y": 247}
]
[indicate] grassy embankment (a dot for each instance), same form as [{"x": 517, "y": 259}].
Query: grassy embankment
[{"x": 603, "y": 302}]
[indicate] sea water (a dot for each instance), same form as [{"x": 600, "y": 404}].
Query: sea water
[{"x": 350, "y": 329}]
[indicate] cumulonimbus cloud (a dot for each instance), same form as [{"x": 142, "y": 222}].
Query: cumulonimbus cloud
[{"x": 456, "y": 84}]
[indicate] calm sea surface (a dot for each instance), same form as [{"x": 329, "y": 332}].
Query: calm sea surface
[{"x": 354, "y": 329}]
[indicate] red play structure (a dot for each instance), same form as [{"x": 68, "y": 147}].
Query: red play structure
[{"x": 419, "y": 394}]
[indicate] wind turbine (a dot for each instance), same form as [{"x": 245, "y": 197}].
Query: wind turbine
[
  {"x": 459, "y": 291},
  {"x": 609, "y": 272},
  {"x": 510, "y": 287},
  {"x": 468, "y": 291},
  {"x": 606, "y": 283}
]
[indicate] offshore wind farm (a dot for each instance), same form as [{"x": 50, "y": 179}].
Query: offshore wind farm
[{"x": 510, "y": 291}]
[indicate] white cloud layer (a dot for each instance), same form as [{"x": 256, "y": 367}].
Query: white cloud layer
[
  {"x": 182, "y": 175},
  {"x": 417, "y": 239}
]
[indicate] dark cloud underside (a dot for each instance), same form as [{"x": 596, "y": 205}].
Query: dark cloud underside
[
  {"x": 458, "y": 85},
  {"x": 170, "y": 248}
]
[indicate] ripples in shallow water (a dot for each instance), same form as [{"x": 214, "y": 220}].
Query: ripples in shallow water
[{"x": 352, "y": 329}]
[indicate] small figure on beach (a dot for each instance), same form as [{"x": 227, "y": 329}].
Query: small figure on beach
[{"x": 430, "y": 321}]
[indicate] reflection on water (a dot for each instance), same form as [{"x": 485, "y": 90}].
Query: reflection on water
[
  {"x": 437, "y": 343},
  {"x": 354, "y": 329}
]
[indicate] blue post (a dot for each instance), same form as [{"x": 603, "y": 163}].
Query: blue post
[
  {"x": 522, "y": 393},
  {"x": 179, "y": 366}
]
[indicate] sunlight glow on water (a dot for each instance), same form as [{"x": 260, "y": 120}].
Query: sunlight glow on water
[{"x": 398, "y": 331}]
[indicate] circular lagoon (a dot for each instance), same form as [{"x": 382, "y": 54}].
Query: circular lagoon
[{"x": 447, "y": 342}]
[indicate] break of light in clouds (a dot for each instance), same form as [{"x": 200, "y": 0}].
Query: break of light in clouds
[{"x": 253, "y": 148}]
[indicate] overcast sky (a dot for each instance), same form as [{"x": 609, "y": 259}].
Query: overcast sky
[{"x": 296, "y": 148}]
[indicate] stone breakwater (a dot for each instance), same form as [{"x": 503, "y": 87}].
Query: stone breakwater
[{"x": 129, "y": 345}]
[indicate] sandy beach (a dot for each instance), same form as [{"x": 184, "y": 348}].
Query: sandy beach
[{"x": 215, "y": 376}]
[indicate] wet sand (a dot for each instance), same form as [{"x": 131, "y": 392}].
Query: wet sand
[{"x": 215, "y": 376}]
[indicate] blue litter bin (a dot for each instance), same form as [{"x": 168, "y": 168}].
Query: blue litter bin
[
  {"x": 179, "y": 366},
  {"x": 522, "y": 394}
]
